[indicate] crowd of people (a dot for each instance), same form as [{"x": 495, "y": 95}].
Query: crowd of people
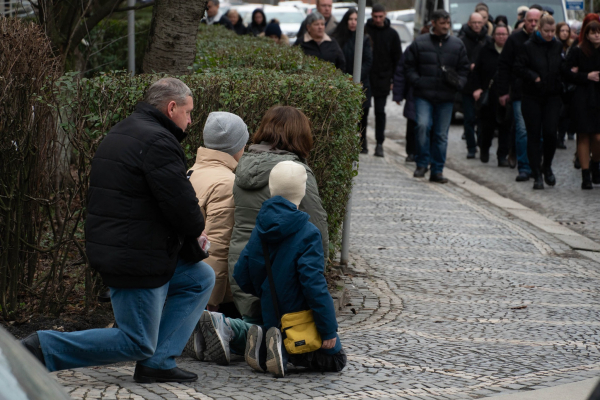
[{"x": 260, "y": 291}]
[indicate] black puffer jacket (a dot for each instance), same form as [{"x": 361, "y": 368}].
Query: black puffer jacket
[
  {"x": 240, "y": 28},
  {"x": 423, "y": 69},
  {"x": 486, "y": 69},
  {"x": 544, "y": 60},
  {"x": 328, "y": 50},
  {"x": 508, "y": 82},
  {"x": 387, "y": 50},
  {"x": 140, "y": 204},
  {"x": 367, "y": 63},
  {"x": 585, "y": 102},
  {"x": 473, "y": 42}
]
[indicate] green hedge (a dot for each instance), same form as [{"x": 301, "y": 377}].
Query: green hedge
[{"x": 331, "y": 102}]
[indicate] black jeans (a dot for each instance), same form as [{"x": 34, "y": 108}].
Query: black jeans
[
  {"x": 411, "y": 138},
  {"x": 380, "y": 118},
  {"x": 363, "y": 127},
  {"x": 488, "y": 124},
  {"x": 541, "y": 117}
]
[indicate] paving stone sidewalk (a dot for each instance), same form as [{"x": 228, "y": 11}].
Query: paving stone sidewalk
[{"x": 450, "y": 298}]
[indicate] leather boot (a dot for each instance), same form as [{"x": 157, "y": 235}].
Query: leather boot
[
  {"x": 586, "y": 179},
  {"x": 145, "y": 374},
  {"x": 538, "y": 180}
]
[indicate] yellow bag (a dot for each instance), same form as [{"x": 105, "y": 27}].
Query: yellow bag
[{"x": 301, "y": 335}]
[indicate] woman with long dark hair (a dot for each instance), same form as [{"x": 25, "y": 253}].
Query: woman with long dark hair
[
  {"x": 563, "y": 35},
  {"x": 345, "y": 34},
  {"x": 258, "y": 23},
  {"x": 582, "y": 68}
]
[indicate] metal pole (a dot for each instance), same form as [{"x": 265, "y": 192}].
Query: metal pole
[
  {"x": 131, "y": 38},
  {"x": 358, "y": 51}
]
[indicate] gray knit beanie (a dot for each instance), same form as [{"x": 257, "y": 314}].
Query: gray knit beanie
[{"x": 225, "y": 132}]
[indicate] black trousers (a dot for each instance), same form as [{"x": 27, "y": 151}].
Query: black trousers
[
  {"x": 363, "y": 127},
  {"x": 541, "y": 117},
  {"x": 411, "y": 138},
  {"x": 319, "y": 361},
  {"x": 380, "y": 118},
  {"x": 488, "y": 125}
]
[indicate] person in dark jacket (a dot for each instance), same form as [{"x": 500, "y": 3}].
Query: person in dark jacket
[
  {"x": 403, "y": 91},
  {"x": 237, "y": 22},
  {"x": 474, "y": 38},
  {"x": 425, "y": 63},
  {"x": 539, "y": 66},
  {"x": 293, "y": 246},
  {"x": 563, "y": 34},
  {"x": 315, "y": 42},
  {"x": 510, "y": 88},
  {"x": 582, "y": 68},
  {"x": 492, "y": 115},
  {"x": 141, "y": 210},
  {"x": 345, "y": 34},
  {"x": 387, "y": 50},
  {"x": 212, "y": 9},
  {"x": 259, "y": 22}
]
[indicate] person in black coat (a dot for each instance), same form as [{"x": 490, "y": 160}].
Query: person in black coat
[
  {"x": 539, "y": 66},
  {"x": 403, "y": 91},
  {"x": 212, "y": 9},
  {"x": 474, "y": 38},
  {"x": 141, "y": 210},
  {"x": 582, "y": 68},
  {"x": 316, "y": 42},
  {"x": 491, "y": 115},
  {"x": 345, "y": 34},
  {"x": 387, "y": 50},
  {"x": 259, "y": 22},
  {"x": 428, "y": 56},
  {"x": 237, "y": 22}
]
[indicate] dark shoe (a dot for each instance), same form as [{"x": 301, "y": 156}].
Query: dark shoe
[
  {"x": 561, "y": 144},
  {"x": 378, "y": 150},
  {"x": 571, "y": 136},
  {"x": 410, "y": 158},
  {"x": 549, "y": 177},
  {"x": 463, "y": 137},
  {"x": 420, "y": 172},
  {"x": 595, "y": 170},
  {"x": 484, "y": 157},
  {"x": 364, "y": 151},
  {"x": 523, "y": 177},
  {"x": 470, "y": 155},
  {"x": 104, "y": 296},
  {"x": 145, "y": 374},
  {"x": 512, "y": 160},
  {"x": 503, "y": 162},
  {"x": 538, "y": 183},
  {"x": 586, "y": 179},
  {"x": 437, "y": 178},
  {"x": 576, "y": 162},
  {"x": 32, "y": 343}
]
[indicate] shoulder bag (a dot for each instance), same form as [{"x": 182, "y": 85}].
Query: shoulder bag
[{"x": 449, "y": 74}]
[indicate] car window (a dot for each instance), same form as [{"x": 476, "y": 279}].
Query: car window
[{"x": 285, "y": 17}]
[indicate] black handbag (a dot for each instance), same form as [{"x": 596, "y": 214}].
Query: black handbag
[
  {"x": 484, "y": 99},
  {"x": 449, "y": 75}
]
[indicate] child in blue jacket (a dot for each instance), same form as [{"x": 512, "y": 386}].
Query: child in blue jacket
[{"x": 296, "y": 255}]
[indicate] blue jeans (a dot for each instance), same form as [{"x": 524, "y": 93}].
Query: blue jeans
[
  {"x": 153, "y": 325},
  {"x": 433, "y": 122},
  {"x": 521, "y": 139},
  {"x": 470, "y": 121}
]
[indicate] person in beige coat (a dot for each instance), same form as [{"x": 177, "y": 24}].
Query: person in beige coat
[{"x": 212, "y": 176}]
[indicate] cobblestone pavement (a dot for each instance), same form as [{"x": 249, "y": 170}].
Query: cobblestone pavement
[
  {"x": 565, "y": 203},
  {"x": 449, "y": 298}
]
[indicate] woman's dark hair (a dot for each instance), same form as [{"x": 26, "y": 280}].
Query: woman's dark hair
[
  {"x": 501, "y": 19},
  {"x": 566, "y": 43},
  {"x": 342, "y": 34},
  {"x": 519, "y": 24},
  {"x": 264, "y": 23},
  {"x": 286, "y": 128},
  {"x": 500, "y": 25},
  {"x": 586, "y": 45}
]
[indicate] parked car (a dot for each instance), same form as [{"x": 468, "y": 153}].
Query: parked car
[
  {"x": 406, "y": 16},
  {"x": 405, "y": 33}
]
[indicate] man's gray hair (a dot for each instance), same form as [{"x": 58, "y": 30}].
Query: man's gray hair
[
  {"x": 165, "y": 90},
  {"x": 313, "y": 17}
]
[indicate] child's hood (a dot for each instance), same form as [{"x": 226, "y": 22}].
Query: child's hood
[{"x": 279, "y": 218}]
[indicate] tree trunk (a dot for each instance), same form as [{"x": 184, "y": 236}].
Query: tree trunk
[{"x": 172, "y": 41}]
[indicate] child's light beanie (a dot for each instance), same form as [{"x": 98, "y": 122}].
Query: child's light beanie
[{"x": 288, "y": 180}]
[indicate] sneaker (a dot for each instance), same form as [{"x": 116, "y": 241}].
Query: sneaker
[
  {"x": 253, "y": 341},
  {"x": 274, "y": 358},
  {"x": 196, "y": 346},
  {"x": 523, "y": 177},
  {"x": 471, "y": 155},
  {"x": 217, "y": 335}
]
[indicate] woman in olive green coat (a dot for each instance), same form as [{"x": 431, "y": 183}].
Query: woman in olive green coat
[{"x": 284, "y": 134}]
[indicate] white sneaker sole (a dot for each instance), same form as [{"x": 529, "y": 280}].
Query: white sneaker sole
[
  {"x": 274, "y": 359},
  {"x": 253, "y": 342},
  {"x": 215, "y": 346},
  {"x": 195, "y": 346}
]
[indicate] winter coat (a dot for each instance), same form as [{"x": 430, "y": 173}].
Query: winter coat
[
  {"x": 328, "y": 50},
  {"x": 585, "y": 101},
  {"x": 367, "y": 63},
  {"x": 473, "y": 42},
  {"x": 222, "y": 21},
  {"x": 329, "y": 28},
  {"x": 403, "y": 91},
  {"x": 387, "y": 50},
  {"x": 250, "y": 190},
  {"x": 508, "y": 82},
  {"x": 486, "y": 69},
  {"x": 212, "y": 177},
  {"x": 542, "y": 59},
  {"x": 240, "y": 28},
  {"x": 140, "y": 203},
  {"x": 296, "y": 254},
  {"x": 255, "y": 29},
  {"x": 423, "y": 69}
]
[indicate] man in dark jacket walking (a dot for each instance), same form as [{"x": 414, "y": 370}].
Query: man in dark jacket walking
[
  {"x": 387, "y": 51},
  {"x": 474, "y": 37},
  {"x": 437, "y": 67},
  {"x": 141, "y": 211},
  {"x": 510, "y": 88}
]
